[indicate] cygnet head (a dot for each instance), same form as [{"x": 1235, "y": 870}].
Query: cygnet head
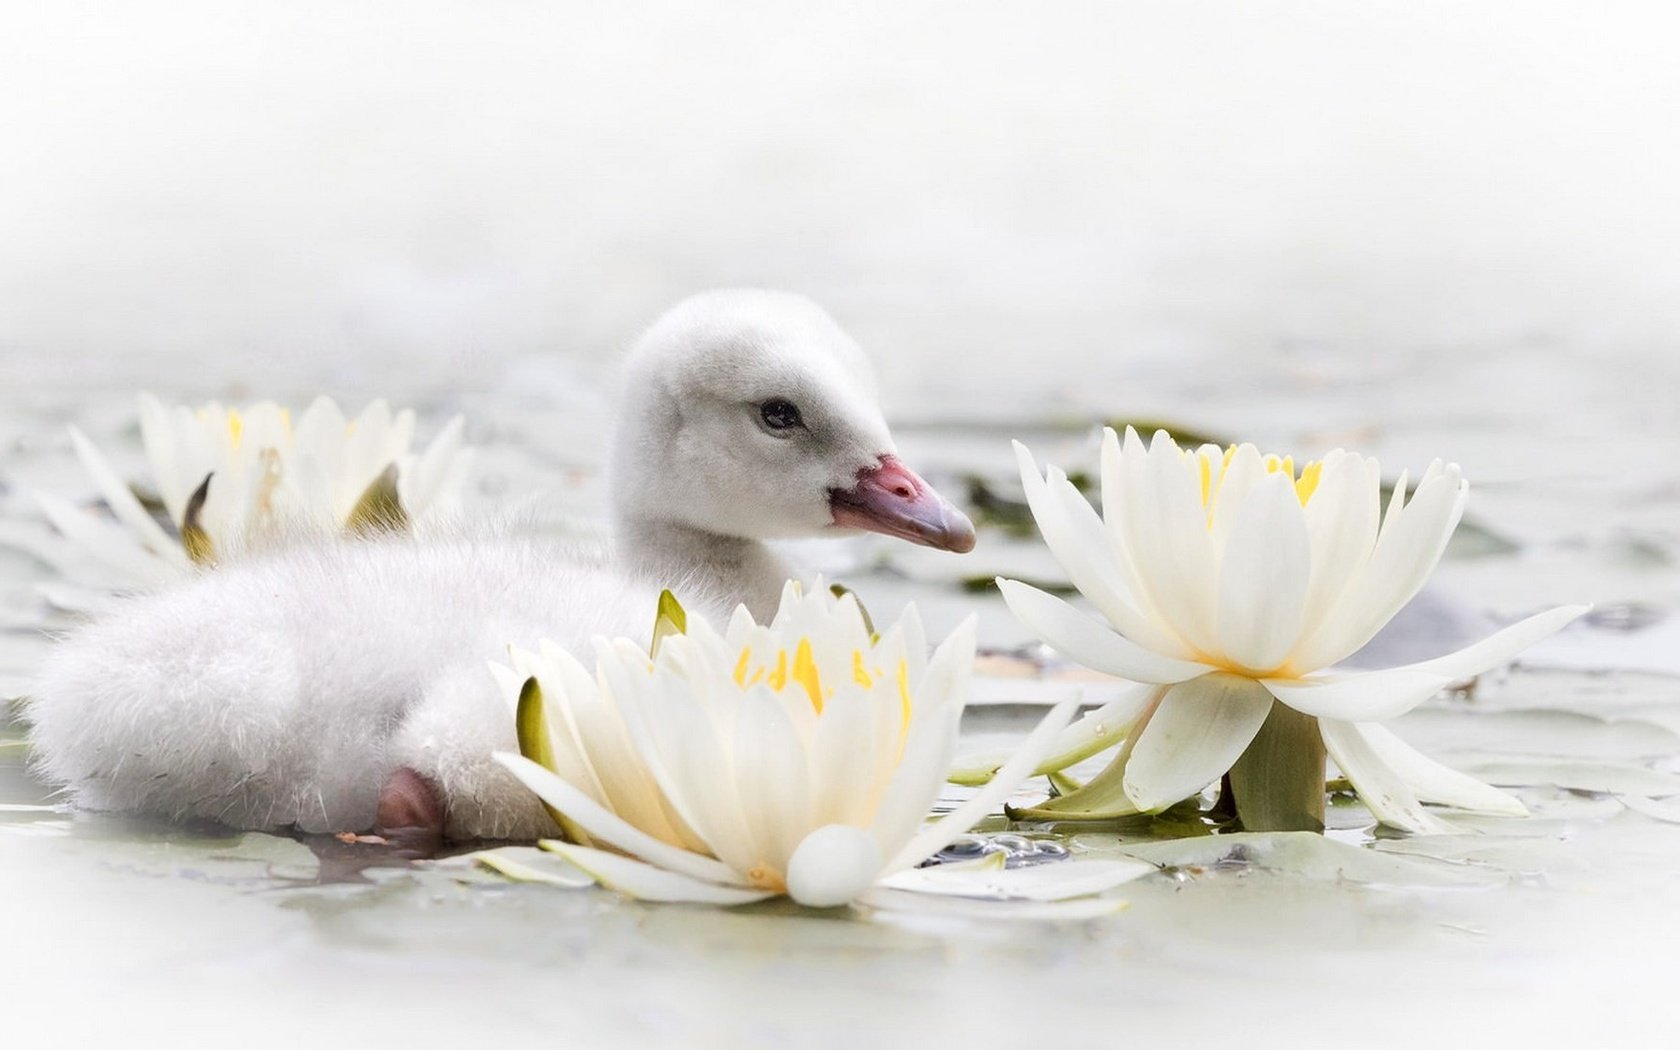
[{"x": 751, "y": 414}]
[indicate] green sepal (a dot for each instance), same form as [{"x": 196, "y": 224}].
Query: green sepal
[
  {"x": 379, "y": 508},
  {"x": 1278, "y": 783},
  {"x": 193, "y": 535},
  {"x": 669, "y": 619},
  {"x": 1103, "y": 797},
  {"x": 1062, "y": 783},
  {"x": 531, "y": 726},
  {"x": 840, "y": 590}
]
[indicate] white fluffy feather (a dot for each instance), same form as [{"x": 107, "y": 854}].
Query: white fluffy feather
[{"x": 284, "y": 691}]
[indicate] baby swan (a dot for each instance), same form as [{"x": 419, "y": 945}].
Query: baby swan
[{"x": 343, "y": 687}]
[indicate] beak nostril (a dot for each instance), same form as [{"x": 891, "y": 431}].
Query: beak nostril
[{"x": 903, "y": 492}]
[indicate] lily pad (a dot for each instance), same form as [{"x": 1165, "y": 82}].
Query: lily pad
[{"x": 1305, "y": 855}]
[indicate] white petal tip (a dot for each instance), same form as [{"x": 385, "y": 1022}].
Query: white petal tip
[{"x": 833, "y": 866}]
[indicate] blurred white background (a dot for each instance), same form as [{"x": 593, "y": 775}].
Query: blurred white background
[
  {"x": 1416, "y": 228},
  {"x": 363, "y": 197}
]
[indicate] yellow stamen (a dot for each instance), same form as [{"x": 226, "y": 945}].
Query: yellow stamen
[
  {"x": 778, "y": 677},
  {"x": 1308, "y": 484},
  {"x": 904, "y": 690},
  {"x": 236, "y": 427},
  {"x": 860, "y": 673},
  {"x": 805, "y": 673},
  {"x": 1207, "y": 479},
  {"x": 742, "y": 665}
]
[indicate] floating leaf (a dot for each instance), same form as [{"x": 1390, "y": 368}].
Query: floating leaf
[
  {"x": 1302, "y": 854},
  {"x": 1103, "y": 797},
  {"x": 1611, "y": 778},
  {"x": 991, "y": 880},
  {"x": 985, "y": 583},
  {"x": 996, "y": 511},
  {"x": 193, "y": 535},
  {"x": 1666, "y": 810},
  {"x": 379, "y": 509}
]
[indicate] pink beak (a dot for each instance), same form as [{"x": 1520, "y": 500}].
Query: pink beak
[{"x": 892, "y": 500}]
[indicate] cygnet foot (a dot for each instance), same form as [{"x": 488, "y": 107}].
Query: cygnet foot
[{"x": 411, "y": 815}]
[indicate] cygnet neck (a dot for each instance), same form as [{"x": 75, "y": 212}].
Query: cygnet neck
[{"x": 680, "y": 556}]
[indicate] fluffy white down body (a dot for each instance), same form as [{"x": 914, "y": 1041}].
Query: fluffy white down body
[
  {"x": 286, "y": 691},
  {"x": 283, "y": 692}
]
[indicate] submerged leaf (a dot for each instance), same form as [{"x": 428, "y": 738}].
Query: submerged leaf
[
  {"x": 379, "y": 509},
  {"x": 1185, "y": 437}
]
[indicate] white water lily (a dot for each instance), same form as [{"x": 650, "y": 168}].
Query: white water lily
[
  {"x": 1231, "y": 585},
  {"x": 799, "y": 757},
  {"x": 232, "y": 481}
]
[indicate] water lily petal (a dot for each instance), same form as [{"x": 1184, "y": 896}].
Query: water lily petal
[
  {"x": 1342, "y": 519},
  {"x": 838, "y": 772},
  {"x": 1433, "y": 782},
  {"x": 1500, "y": 646},
  {"x": 1166, "y": 531},
  {"x": 1359, "y": 696},
  {"x": 1095, "y": 563},
  {"x": 773, "y": 784},
  {"x": 916, "y": 784},
  {"x": 1245, "y": 469},
  {"x": 1408, "y": 547},
  {"x": 1103, "y": 797},
  {"x": 684, "y": 750},
  {"x": 925, "y": 753},
  {"x": 1083, "y": 640},
  {"x": 430, "y": 474},
  {"x": 105, "y": 541},
  {"x": 645, "y": 882},
  {"x": 1381, "y": 787},
  {"x": 832, "y": 866},
  {"x": 1193, "y": 738},
  {"x": 1037, "y": 882},
  {"x": 170, "y": 474},
  {"x": 529, "y": 864},
  {"x": 943, "y": 832},
  {"x": 1263, "y": 579},
  {"x": 608, "y": 827},
  {"x": 1092, "y": 732},
  {"x": 123, "y": 505}
]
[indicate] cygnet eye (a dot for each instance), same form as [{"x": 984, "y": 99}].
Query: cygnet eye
[{"x": 780, "y": 414}]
